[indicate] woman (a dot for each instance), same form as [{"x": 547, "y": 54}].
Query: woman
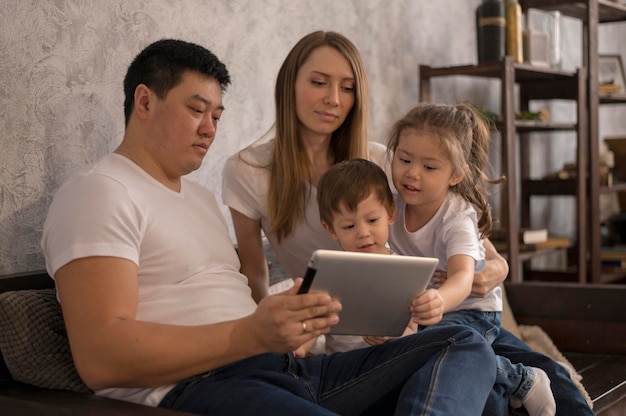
[{"x": 321, "y": 119}]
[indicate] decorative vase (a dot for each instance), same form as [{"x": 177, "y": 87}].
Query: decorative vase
[{"x": 490, "y": 30}]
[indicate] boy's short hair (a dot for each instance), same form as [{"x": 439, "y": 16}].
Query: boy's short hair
[
  {"x": 349, "y": 183},
  {"x": 161, "y": 65}
]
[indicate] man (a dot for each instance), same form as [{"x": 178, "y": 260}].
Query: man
[{"x": 155, "y": 307}]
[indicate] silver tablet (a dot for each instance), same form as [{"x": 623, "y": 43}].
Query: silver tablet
[{"x": 374, "y": 289}]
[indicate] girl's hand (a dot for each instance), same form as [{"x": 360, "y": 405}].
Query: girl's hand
[{"x": 427, "y": 308}]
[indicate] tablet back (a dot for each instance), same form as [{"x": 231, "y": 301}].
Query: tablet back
[{"x": 374, "y": 289}]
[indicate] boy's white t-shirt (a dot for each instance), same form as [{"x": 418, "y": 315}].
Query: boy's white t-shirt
[
  {"x": 451, "y": 231},
  {"x": 188, "y": 270}
]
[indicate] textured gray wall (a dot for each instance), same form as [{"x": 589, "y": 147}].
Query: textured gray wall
[{"x": 62, "y": 63}]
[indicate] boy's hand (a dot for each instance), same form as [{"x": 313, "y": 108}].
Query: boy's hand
[{"x": 376, "y": 340}]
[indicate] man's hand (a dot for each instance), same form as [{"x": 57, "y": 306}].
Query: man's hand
[{"x": 287, "y": 321}]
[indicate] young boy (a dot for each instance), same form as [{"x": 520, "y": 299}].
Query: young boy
[{"x": 356, "y": 209}]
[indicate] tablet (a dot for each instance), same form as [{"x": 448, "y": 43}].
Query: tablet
[{"x": 374, "y": 289}]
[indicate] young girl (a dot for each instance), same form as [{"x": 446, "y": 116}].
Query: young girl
[{"x": 439, "y": 156}]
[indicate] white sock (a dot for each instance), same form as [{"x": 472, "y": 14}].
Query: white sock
[{"x": 540, "y": 401}]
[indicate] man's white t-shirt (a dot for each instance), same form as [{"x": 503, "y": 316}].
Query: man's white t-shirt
[{"x": 188, "y": 270}]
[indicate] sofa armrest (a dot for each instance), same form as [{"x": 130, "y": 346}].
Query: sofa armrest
[{"x": 579, "y": 318}]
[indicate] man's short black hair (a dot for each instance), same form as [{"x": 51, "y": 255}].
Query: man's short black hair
[{"x": 161, "y": 65}]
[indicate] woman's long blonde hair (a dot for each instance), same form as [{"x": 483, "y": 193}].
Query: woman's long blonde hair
[{"x": 290, "y": 167}]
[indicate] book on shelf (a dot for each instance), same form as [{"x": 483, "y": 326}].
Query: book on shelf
[
  {"x": 609, "y": 88},
  {"x": 613, "y": 253},
  {"x": 614, "y": 265},
  {"x": 526, "y": 235},
  {"x": 551, "y": 242}
]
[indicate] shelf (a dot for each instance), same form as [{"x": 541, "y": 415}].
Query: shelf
[
  {"x": 607, "y": 11},
  {"x": 617, "y": 187},
  {"x": 523, "y": 72},
  {"x": 523, "y": 126},
  {"x": 550, "y": 187},
  {"x": 613, "y": 99}
]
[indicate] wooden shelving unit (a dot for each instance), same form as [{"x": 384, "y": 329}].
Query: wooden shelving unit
[
  {"x": 538, "y": 83},
  {"x": 592, "y": 14},
  {"x": 533, "y": 83}
]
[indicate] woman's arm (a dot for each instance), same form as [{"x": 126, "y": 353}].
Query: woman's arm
[
  {"x": 112, "y": 348},
  {"x": 251, "y": 254},
  {"x": 494, "y": 273}
]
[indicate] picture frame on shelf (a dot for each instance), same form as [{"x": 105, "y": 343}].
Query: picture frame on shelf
[{"x": 611, "y": 74}]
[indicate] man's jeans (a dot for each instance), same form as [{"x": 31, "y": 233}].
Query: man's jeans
[{"x": 443, "y": 371}]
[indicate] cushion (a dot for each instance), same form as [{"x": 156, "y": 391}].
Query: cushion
[{"x": 33, "y": 340}]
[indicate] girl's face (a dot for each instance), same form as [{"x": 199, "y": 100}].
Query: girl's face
[
  {"x": 421, "y": 170},
  {"x": 366, "y": 230},
  {"x": 324, "y": 92}
]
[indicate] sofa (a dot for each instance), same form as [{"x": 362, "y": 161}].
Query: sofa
[{"x": 37, "y": 375}]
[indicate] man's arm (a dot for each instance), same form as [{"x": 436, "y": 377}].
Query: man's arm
[
  {"x": 251, "y": 254},
  {"x": 111, "y": 348}
]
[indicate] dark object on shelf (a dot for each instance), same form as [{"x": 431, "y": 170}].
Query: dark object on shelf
[
  {"x": 490, "y": 30},
  {"x": 617, "y": 228}
]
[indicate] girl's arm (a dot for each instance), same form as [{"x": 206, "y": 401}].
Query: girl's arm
[
  {"x": 495, "y": 272},
  {"x": 458, "y": 285},
  {"x": 429, "y": 307}
]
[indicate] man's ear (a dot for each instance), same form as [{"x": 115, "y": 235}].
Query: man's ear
[
  {"x": 458, "y": 175},
  {"x": 330, "y": 231},
  {"x": 143, "y": 97}
]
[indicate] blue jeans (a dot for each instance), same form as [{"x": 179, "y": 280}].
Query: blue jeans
[
  {"x": 445, "y": 371},
  {"x": 515, "y": 379},
  {"x": 569, "y": 400}
]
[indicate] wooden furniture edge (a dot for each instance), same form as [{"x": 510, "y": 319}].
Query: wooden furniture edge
[{"x": 586, "y": 323}]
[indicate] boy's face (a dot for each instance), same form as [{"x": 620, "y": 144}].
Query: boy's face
[{"x": 365, "y": 230}]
